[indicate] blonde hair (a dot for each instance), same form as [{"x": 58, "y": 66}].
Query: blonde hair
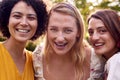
[{"x": 78, "y": 50}]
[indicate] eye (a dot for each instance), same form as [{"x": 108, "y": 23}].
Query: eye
[
  {"x": 17, "y": 16},
  {"x": 102, "y": 31},
  {"x": 53, "y": 30},
  {"x": 32, "y": 18},
  {"x": 90, "y": 32},
  {"x": 68, "y": 31}
]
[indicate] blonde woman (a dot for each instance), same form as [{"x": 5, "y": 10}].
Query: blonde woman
[{"x": 66, "y": 55}]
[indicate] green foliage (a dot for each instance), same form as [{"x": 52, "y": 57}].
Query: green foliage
[
  {"x": 104, "y": 4},
  {"x": 83, "y": 7},
  {"x": 115, "y": 5},
  {"x": 30, "y": 46},
  {"x": 56, "y": 1},
  {"x": 2, "y": 39}
]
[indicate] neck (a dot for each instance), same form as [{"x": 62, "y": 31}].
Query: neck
[
  {"x": 14, "y": 48},
  {"x": 59, "y": 60},
  {"x": 59, "y": 65},
  {"x": 108, "y": 55}
]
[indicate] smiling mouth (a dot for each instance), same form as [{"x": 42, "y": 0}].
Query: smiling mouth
[
  {"x": 23, "y": 30},
  {"x": 98, "y": 44},
  {"x": 61, "y": 45}
]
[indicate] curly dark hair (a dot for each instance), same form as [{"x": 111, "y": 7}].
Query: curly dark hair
[{"x": 38, "y": 5}]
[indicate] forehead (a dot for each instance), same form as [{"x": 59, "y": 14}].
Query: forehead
[
  {"x": 62, "y": 19},
  {"x": 23, "y": 7},
  {"x": 95, "y": 23},
  {"x": 61, "y": 13}
]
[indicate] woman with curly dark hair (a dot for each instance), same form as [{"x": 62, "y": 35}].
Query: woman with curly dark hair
[{"x": 20, "y": 21}]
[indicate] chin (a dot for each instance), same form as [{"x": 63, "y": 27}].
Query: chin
[
  {"x": 60, "y": 52},
  {"x": 22, "y": 39},
  {"x": 99, "y": 52}
]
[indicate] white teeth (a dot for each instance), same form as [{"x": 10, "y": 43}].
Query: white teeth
[
  {"x": 60, "y": 44},
  {"x": 98, "y": 44},
  {"x": 23, "y": 30}
]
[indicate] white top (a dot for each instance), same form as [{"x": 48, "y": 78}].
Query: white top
[
  {"x": 112, "y": 67},
  {"x": 37, "y": 63},
  {"x": 96, "y": 66}
]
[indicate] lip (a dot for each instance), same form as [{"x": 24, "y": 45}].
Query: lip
[{"x": 60, "y": 46}]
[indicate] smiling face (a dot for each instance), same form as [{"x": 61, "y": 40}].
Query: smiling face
[
  {"x": 100, "y": 38},
  {"x": 22, "y": 22},
  {"x": 61, "y": 32}
]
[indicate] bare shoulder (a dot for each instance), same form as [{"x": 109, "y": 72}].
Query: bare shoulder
[
  {"x": 88, "y": 51},
  {"x": 87, "y": 48}
]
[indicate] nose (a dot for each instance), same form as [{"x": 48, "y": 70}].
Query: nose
[
  {"x": 24, "y": 21},
  {"x": 95, "y": 36},
  {"x": 60, "y": 36}
]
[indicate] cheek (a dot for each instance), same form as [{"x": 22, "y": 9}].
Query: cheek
[
  {"x": 90, "y": 39},
  {"x": 72, "y": 39},
  {"x": 72, "y": 42},
  {"x": 111, "y": 42},
  {"x": 35, "y": 28},
  {"x": 11, "y": 23},
  {"x": 11, "y": 26},
  {"x": 109, "y": 39},
  {"x": 35, "y": 24},
  {"x": 50, "y": 36}
]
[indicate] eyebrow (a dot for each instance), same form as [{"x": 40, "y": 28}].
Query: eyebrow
[
  {"x": 99, "y": 27},
  {"x": 27, "y": 14}
]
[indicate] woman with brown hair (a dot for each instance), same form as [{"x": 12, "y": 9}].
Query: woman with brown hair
[{"x": 104, "y": 36}]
